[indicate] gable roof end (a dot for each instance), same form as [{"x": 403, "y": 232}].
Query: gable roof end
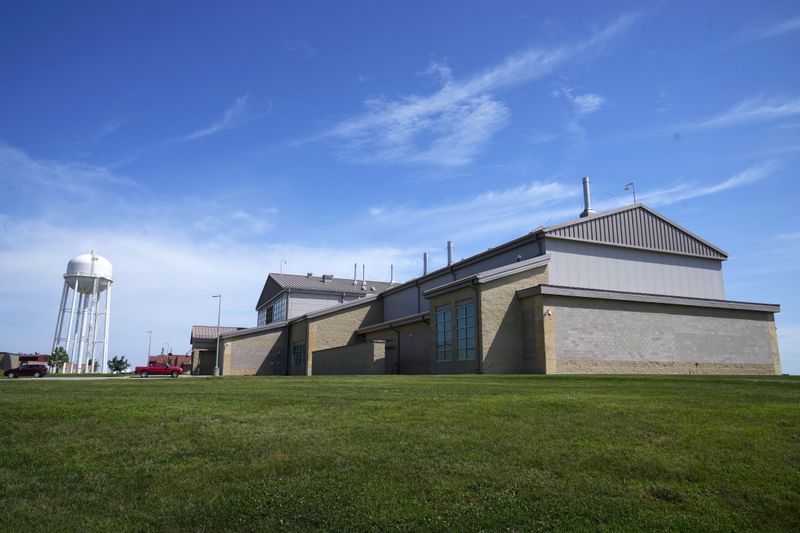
[{"x": 636, "y": 226}]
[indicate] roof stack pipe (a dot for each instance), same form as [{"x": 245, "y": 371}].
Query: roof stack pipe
[
  {"x": 449, "y": 253},
  {"x": 355, "y": 273},
  {"x": 587, "y": 201},
  {"x": 363, "y": 275},
  {"x": 391, "y": 273},
  {"x": 424, "y": 263}
]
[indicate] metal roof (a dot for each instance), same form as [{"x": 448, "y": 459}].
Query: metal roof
[
  {"x": 636, "y": 226},
  {"x": 337, "y": 285},
  {"x": 210, "y": 332}
]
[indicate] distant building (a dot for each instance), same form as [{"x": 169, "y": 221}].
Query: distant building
[
  {"x": 13, "y": 360},
  {"x": 624, "y": 291}
]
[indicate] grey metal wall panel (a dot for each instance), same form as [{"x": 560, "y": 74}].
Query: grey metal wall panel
[
  {"x": 302, "y": 303},
  {"x": 638, "y": 228},
  {"x": 595, "y": 266}
]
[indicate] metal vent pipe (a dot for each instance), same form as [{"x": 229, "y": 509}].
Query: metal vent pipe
[
  {"x": 424, "y": 263},
  {"x": 449, "y": 253},
  {"x": 587, "y": 201}
]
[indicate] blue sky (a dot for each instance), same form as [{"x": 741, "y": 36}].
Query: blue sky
[{"x": 198, "y": 145}]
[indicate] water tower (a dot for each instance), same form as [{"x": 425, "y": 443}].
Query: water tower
[{"x": 83, "y": 309}]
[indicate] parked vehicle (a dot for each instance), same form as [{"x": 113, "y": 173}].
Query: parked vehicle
[
  {"x": 37, "y": 371},
  {"x": 158, "y": 369}
]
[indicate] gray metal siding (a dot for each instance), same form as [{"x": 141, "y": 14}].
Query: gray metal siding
[
  {"x": 637, "y": 228},
  {"x": 595, "y": 266},
  {"x": 302, "y": 303},
  {"x": 404, "y": 303}
]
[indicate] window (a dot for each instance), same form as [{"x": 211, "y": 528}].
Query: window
[
  {"x": 279, "y": 309},
  {"x": 444, "y": 333},
  {"x": 274, "y": 312},
  {"x": 465, "y": 330},
  {"x": 298, "y": 354}
]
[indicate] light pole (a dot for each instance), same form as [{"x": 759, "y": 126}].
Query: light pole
[
  {"x": 149, "y": 342},
  {"x": 281, "y": 268},
  {"x": 219, "y": 313}
]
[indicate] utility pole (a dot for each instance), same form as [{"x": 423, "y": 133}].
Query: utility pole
[{"x": 219, "y": 313}]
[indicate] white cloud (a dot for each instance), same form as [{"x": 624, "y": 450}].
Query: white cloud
[
  {"x": 686, "y": 191},
  {"x": 451, "y": 126},
  {"x": 750, "y": 110},
  {"x": 583, "y": 104},
  {"x": 303, "y": 48},
  {"x": 773, "y": 30},
  {"x": 236, "y": 115}
]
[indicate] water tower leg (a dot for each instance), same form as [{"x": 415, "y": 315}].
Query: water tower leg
[
  {"x": 94, "y": 308},
  {"x": 61, "y": 309},
  {"x": 82, "y": 345},
  {"x": 105, "y": 329},
  {"x": 70, "y": 344}
]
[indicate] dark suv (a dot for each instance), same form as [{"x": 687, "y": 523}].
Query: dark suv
[{"x": 24, "y": 369}]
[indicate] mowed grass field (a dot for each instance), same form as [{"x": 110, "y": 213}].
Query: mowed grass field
[{"x": 401, "y": 453}]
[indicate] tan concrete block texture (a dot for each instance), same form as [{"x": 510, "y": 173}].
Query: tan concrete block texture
[
  {"x": 416, "y": 348},
  {"x": 362, "y": 358},
  {"x": 258, "y": 354},
  {"x": 501, "y": 321},
  {"x": 591, "y": 334}
]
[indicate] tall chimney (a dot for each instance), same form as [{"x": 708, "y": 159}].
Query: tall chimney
[
  {"x": 587, "y": 201},
  {"x": 363, "y": 275},
  {"x": 355, "y": 273},
  {"x": 449, "y": 253},
  {"x": 391, "y": 273},
  {"x": 424, "y": 263}
]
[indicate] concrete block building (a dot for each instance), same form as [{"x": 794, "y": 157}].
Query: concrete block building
[{"x": 623, "y": 291}]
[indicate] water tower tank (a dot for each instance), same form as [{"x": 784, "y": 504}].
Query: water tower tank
[{"x": 83, "y": 269}]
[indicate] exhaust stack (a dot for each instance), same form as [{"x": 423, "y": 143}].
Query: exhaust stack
[
  {"x": 587, "y": 201},
  {"x": 449, "y": 253},
  {"x": 424, "y": 263}
]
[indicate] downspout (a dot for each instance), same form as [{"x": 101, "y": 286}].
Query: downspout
[
  {"x": 479, "y": 329},
  {"x": 397, "y": 332}
]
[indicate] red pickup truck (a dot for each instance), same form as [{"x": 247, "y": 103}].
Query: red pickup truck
[{"x": 158, "y": 369}]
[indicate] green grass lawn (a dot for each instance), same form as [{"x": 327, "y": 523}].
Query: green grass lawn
[{"x": 410, "y": 453}]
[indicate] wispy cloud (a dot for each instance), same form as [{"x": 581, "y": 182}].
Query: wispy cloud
[
  {"x": 774, "y": 29},
  {"x": 519, "y": 209},
  {"x": 686, "y": 191},
  {"x": 451, "y": 126},
  {"x": 236, "y": 115},
  {"x": 20, "y": 172},
  {"x": 583, "y": 104},
  {"x": 303, "y": 48},
  {"x": 108, "y": 128},
  {"x": 751, "y": 110}
]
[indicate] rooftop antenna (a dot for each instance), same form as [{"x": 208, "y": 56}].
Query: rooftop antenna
[{"x": 632, "y": 187}]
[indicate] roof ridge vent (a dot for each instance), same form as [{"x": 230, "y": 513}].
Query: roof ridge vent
[
  {"x": 309, "y": 274},
  {"x": 327, "y": 278}
]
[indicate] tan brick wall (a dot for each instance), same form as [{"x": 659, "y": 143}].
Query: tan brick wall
[
  {"x": 361, "y": 358},
  {"x": 502, "y": 332},
  {"x": 258, "y": 354},
  {"x": 416, "y": 348},
  {"x": 595, "y": 335}
]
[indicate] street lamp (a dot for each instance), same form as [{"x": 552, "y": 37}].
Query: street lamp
[
  {"x": 281, "y": 268},
  {"x": 631, "y": 187},
  {"x": 219, "y": 313}
]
